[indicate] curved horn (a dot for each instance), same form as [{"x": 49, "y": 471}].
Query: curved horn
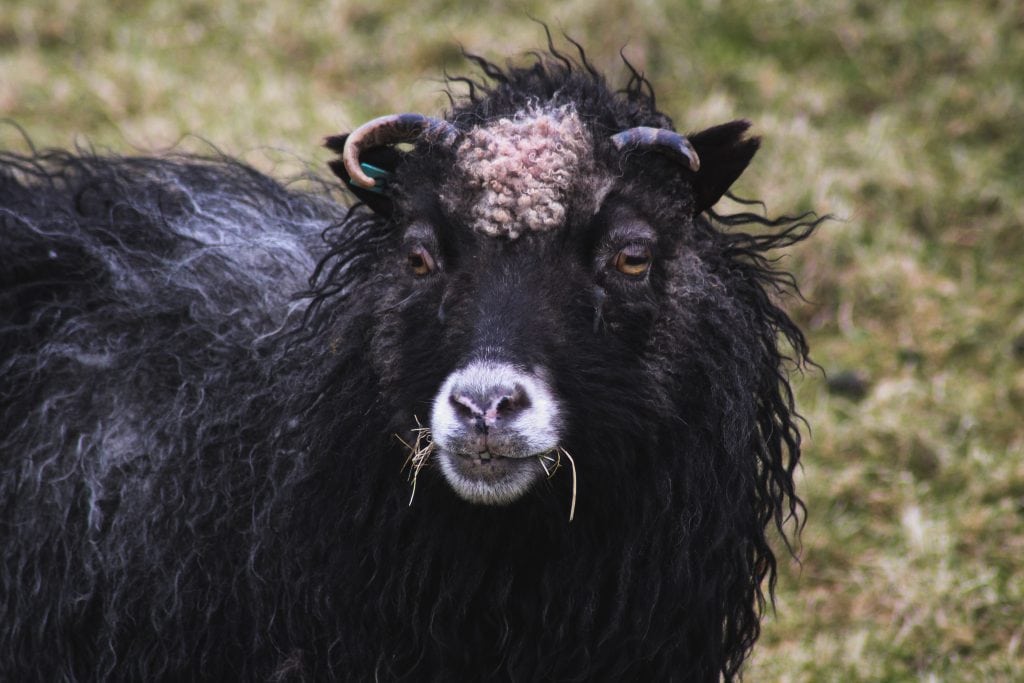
[
  {"x": 390, "y": 130},
  {"x": 660, "y": 139}
]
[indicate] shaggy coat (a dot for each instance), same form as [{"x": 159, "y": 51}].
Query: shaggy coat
[{"x": 208, "y": 378}]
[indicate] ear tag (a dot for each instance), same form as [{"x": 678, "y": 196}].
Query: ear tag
[{"x": 378, "y": 174}]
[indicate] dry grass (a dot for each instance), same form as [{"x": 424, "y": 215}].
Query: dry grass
[
  {"x": 904, "y": 119},
  {"x": 420, "y": 450},
  {"x": 554, "y": 462}
]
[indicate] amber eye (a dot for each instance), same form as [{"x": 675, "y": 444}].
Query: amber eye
[
  {"x": 633, "y": 260},
  {"x": 420, "y": 261}
]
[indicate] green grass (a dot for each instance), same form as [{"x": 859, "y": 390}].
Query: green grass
[{"x": 902, "y": 119}]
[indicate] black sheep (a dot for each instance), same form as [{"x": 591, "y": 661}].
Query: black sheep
[{"x": 218, "y": 392}]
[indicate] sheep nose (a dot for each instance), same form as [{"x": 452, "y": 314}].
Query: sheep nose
[
  {"x": 494, "y": 408},
  {"x": 483, "y": 408}
]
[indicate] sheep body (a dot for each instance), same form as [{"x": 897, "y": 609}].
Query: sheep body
[{"x": 200, "y": 474}]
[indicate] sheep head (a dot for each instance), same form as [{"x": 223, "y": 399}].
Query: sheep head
[{"x": 546, "y": 263}]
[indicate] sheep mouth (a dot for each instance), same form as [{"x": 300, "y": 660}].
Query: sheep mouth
[
  {"x": 489, "y": 466},
  {"x": 486, "y": 477},
  {"x": 487, "y": 457},
  {"x": 489, "y": 478}
]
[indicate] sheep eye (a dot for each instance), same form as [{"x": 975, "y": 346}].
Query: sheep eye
[
  {"x": 420, "y": 262},
  {"x": 633, "y": 260}
]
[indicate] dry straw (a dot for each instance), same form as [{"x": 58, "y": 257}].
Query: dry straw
[
  {"x": 419, "y": 453},
  {"x": 422, "y": 446},
  {"x": 547, "y": 461}
]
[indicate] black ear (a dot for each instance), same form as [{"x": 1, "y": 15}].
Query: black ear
[
  {"x": 724, "y": 154},
  {"x": 386, "y": 158}
]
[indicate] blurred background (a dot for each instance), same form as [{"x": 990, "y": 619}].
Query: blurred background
[{"x": 903, "y": 120}]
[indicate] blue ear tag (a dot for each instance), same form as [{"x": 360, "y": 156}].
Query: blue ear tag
[{"x": 378, "y": 174}]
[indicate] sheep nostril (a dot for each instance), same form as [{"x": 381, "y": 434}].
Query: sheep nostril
[
  {"x": 464, "y": 407},
  {"x": 520, "y": 399},
  {"x": 510, "y": 403}
]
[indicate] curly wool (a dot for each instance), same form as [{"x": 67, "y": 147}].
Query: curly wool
[{"x": 522, "y": 168}]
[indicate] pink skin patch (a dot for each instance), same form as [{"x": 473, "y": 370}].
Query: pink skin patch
[{"x": 523, "y": 169}]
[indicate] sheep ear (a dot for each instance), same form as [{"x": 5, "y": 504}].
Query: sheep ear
[
  {"x": 724, "y": 153},
  {"x": 385, "y": 158}
]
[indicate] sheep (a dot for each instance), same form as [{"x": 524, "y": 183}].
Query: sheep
[{"x": 522, "y": 412}]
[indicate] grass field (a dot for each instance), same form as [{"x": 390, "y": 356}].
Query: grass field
[{"x": 904, "y": 120}]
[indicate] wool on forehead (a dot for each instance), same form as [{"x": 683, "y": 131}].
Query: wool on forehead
[{"x": 522, "y": 169}]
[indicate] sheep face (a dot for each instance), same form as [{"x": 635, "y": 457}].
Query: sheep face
[{"x": 527, "y": 329}]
